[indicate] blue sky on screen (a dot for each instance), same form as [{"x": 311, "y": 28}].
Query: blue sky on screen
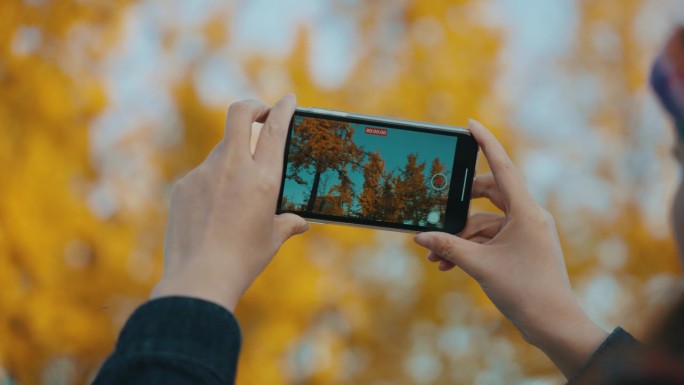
[
  {"x": 426, "y": 145},
  {"x": 394, "y": 150}
]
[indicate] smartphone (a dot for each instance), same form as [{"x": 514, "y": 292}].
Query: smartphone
[{"x": 378, "y": 172}]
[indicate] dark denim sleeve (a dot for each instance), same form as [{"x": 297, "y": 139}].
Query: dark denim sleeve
[
  {"x": 175, "y": 340},
  {"x": 605, "y": 357}
]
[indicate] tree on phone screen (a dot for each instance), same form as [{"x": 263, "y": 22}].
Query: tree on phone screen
[
  {"x": 412, "y": 200},
  {"x": 319, "y": 146},
  {"x": 376, "y": 200}
]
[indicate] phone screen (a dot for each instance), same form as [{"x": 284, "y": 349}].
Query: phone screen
[{"x": 369, "y": 172}]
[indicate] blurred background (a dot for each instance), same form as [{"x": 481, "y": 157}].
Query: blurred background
[{"x": 104, "y": 104}]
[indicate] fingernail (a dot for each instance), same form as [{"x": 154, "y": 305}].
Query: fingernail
[
  {"x": 423, "y": 239},
  {"x": 471, "y": 122},
  {"x": 290, "y": 96}
]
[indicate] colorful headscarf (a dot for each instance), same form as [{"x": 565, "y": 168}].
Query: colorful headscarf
[{"x": 667, "y": 79}]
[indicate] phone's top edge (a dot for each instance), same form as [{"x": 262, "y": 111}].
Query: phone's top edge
[{"x": 382, "y": 119}]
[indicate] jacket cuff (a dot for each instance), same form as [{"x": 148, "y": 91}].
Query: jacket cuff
[
  {"x": 190, "y": 329},
  {"x": 619, "y": 340}
]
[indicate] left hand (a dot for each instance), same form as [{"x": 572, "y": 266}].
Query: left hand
[{"x": 518, "y": 261}]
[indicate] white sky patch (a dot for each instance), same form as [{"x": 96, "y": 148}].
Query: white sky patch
[
  {"x": 134, "y": 75},
  {"x": 602, "y": 297},
  {"x": 606, "y": 41},
  {"x": 27, "y": 40},
  {"x": 218, "y": 78},
  {"x": 612, "y": 253},
  {"x": 422, "y": 364},
  {"x": 139, "y": 74},
  {"x": 270, "y": 26},
  {"x": 537, "y": 33},
  {"x": 333, "y": 56},
  {"x": 35, "y": 3},
  {"x": 655, "y": 20}
]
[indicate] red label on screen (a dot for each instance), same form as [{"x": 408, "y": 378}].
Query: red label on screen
[{"x": 376, "y": 131}]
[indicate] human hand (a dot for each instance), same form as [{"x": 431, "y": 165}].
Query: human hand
[
  {"x": 518, "y": 261},
  {"x": 222, "y": 228}
]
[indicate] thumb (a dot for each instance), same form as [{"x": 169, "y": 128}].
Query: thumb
[
  {"x": 288, "y": 224},
  {"x": 460, "y": 252}
]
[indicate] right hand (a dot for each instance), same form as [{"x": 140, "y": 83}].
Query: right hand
[{"x": 518, "y": 261}]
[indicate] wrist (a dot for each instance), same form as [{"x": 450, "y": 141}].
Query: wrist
[
  {"x": 226, "y": 297},
  {"x": 566, "y": 335}
]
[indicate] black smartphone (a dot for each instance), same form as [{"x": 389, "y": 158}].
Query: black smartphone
[{"x": 377, "y": 172}]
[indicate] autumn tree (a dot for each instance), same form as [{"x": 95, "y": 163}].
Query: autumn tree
[
  {"x": 377, "y": 187},
  {"x": 62, "y": 266},
  {"x": 377, "y": 200},
  {"x": 411, "y": 199},
  {"x": 387, "y": 201},
  {"x": 319, "y": 146},
  {"x": 344, "y": 195}
]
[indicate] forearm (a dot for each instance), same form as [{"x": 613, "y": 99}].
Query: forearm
[{"x": 175, "y": 340}]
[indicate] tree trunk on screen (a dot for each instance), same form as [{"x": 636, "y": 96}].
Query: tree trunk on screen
[{"x": 314, "y": 192}]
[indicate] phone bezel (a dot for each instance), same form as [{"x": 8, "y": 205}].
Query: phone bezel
[{"x": 463, "y": 171}]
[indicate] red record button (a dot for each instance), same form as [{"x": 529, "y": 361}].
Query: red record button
[{"x": 438, "y": 181}]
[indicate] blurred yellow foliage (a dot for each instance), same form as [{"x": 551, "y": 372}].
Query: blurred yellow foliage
[
  {"x": 57, "y": 261},
  {"x": 338, "y": 305}
]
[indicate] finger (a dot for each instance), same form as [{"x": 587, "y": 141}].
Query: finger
[
  {"x": 487, "y": 224},
  {"x": 446, "y": 265},
  {"x": 484, "y": 186},
  {"x": 481, "y": 239},
  {"x": 288, "y": 225},
  {"x": 432, "y": 257},
  {"x": 458, "y": 251},
  {"x": 238, "y": 131},
  {"x": 509, "y": 181},
  {"x": 271, "y": 145}
]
